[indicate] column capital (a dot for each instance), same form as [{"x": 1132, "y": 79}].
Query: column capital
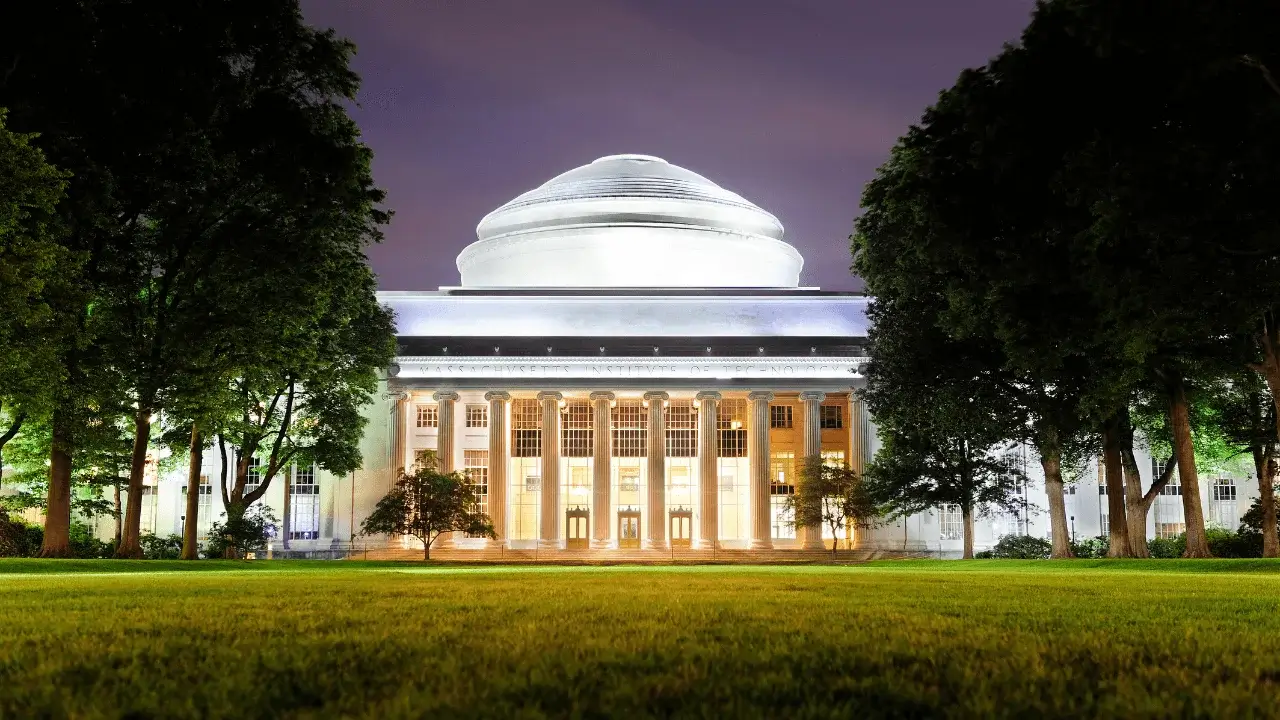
[
  {"x": 760, "y": 396},
  {"x": 656, "y": 395},
  {"x": 442, "y": 395},
  {"x": 707, "y": 395},
  {"x": 550, "y": 395},
  {"x": 813, "y": 396},
  {"x": 602, "y": 395},
  {"x": 499, "y": 395}
]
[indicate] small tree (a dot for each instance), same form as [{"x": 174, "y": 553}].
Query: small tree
[
  {"x": 830, "y": 497},
  {"x": 426, "y": 504}
]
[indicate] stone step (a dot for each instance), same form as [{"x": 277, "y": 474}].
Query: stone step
[{"x": 616, "y": 555}]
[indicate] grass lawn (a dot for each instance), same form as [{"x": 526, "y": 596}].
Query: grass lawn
[{"x": 984, "y": 638}]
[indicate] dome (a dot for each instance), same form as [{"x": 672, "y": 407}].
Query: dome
[{"x": 629, "y": 221}]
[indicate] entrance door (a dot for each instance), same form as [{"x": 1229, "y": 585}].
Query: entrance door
[
  {"x": 681, "y": 527},
  {"x": 629, "y": 528},
  {"x": 576, "y": 522}
]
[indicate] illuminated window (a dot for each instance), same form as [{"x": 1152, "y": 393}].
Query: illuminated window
[
  {"x": 830, "y": 417},
  {"x": 630, "y": 429},
  {"x": 477, "y": 416},
  {"x": 577, "y": 432},
  {"x": 475, "y": 464},
  {"x": 833, "y": 458},
  {"x": 526, "y": 428},
  {"x": 780, "y": 417},
  {"x": 1168, "y": 530},
  {"x": 682, "y": 429},
  {"x": 428, "y": 416},
  {"x": 782, "y": 483},
  {"x": 731, "y": 423},
  {"x": 951, "y": 522},
  {"x": 304, "y": 505},
  {"x": 1104, "y": 523},
  {"x": 629, "y": 479}
]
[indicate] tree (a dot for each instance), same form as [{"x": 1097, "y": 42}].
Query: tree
[
  {"x": 198, "y": 165},
  {"x": 426, "y": 504},
  {"x": 31, "y": 262},
  {"x": 830, "y": 497},
  {"x": 1243, "y": 415}
]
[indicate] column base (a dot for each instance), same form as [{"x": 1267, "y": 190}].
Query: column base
[
  {"x": 654, "y": 545},
  {"x": 601, "y": 544},
  {"x": 705, "y": 545},
  {"x": 758, "y": 544},
  {"x": 813, "y": 545},
  {"x": 549, "y": 545}
]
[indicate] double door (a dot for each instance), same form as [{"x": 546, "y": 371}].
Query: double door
[
  {"x": 628, "y": 528},
  {"x": 577, "y": 524}
]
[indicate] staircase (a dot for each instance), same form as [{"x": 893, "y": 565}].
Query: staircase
[{"x": 627, "y": 556}]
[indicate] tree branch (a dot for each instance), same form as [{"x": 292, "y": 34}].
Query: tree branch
[
  {"x": 1158, "y": 484},
  {"x": 1257, "y": 64}
]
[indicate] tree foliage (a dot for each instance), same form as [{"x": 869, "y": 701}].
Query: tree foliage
[
  {"x": 831, "y": 497},
  {"x": 426, "y": 504}
]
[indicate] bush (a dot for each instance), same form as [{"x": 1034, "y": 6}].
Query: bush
[
  {"x": 155, "y": 547},
  {"x": 1092, "y": 548},
  {"x": 1020, "y": 547},
  {"x": 1167, "y": 548},
  {"x": 246, "y": 534}
]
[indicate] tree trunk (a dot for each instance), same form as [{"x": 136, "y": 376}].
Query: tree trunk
[
  {"x": 1118, "y": 528},
  {"x": 1051, "y": 461},
  {"x": 57, "y": 516},
  {"x": 1193, "y": 513},
  {"x": 129, "y": 546},
  {"x": 193, "y": 495},
  {"x": 1265, "y": 466},
  {"x": 1135, "y": 508},
  {"x": 966, "y": 513},
  {"x": 426, "y": 549}
]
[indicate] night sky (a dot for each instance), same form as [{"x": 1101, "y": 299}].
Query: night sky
[{"x": 790, "y": 103}]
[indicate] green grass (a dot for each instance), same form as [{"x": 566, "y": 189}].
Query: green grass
[{"x": 986, "y": 638}]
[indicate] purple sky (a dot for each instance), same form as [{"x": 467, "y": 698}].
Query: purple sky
[{"x": 790, "y": 103}]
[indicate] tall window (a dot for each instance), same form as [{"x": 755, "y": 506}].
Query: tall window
[
  {"x": 682, "y": 429},
  {"x": 206, "y": 495},
  {"x": 830, "y": 417},
  {"x": 428, "y": 416},
  {"x": 1169, "y": 530},
  {"x": 1174, "y": 487},
  {"x": 731, "y": 423},
  {"x": 951, "y": 522},
  {"x": 304, "y": 505},
  {"x": 577, "y": 432},
  {"x": 780, "y": 417},
  {"x": 1157, "y": 469},
  {"x": 254, "y": 478},
  {"x": 475, "y": 464},
  {"x": 630, "y": 429},
  {"x": 1223, "y": 496},
  {"x": 782, "y": 483},
  {"x": 477, "y": 416},
  {"x": 833, "y": 458},
  {"x": 526, "y": 428}
]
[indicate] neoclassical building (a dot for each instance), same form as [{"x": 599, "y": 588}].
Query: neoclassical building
[{"x": 629, "y": 363}]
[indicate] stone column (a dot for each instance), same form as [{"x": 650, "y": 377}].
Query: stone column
[
  {"x": 498, "y": 462},
  {"x": 601, "y": 460},
  {"x": 400, "y": 430},
  {"x": 549, "y": 537},
  {"x": 811, "y": 449},
  {"x": 446, "y": 402},
  {"x": 657, "y": 452},
  {"x": 758, "y": 449},
  {"x": 708, "y": 469},
  {"x": 857, "y": 433},
  {"x": 857, "y": 447}
]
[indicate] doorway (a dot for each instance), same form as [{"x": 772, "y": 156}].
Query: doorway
[
  {"x": 576, "y": 522},
  {"x": 628, "y": 528},
  {"x": 681, "y": 528}
]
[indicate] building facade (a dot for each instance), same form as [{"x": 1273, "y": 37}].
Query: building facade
[{"x": 629, "y": 363}]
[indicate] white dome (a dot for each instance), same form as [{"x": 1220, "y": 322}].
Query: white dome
[{"x": 629, "y": 221}]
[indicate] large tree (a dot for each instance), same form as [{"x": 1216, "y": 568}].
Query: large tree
[
  {"x": 426, "y": 504},
  {"x": 31, "y": 263},
  {"x": 200, "y": 162}
]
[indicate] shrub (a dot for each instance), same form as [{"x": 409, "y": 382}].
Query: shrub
[
  {"x": 1227, "y": 544},
  {"x": 1167, "y": 547},
  {"x": 1091, "y": 548},
  {"x": 1021, "y": 547},
  {"x": 155, "y": 547},
  {"x": 248, "y": 533}
]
